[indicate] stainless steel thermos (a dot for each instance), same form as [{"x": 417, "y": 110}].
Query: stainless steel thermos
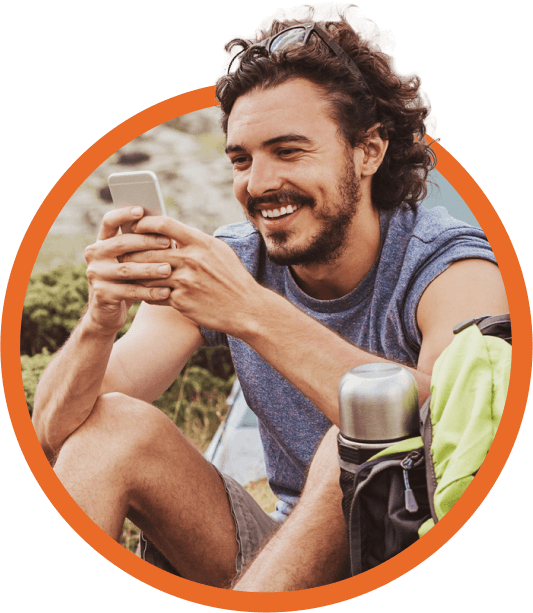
[{"x": 378, "y": 406}]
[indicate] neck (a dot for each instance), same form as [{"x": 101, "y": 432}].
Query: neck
[{"x": 340, "y": 277}]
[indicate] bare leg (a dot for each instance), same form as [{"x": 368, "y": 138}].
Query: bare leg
[
  {"x": 129, "y": 459},
  {"x": 310, "y": 549}
]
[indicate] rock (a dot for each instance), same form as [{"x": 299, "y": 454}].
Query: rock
[{"x": 195, "y": 176}]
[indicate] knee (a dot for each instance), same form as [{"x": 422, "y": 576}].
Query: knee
[
  {"x": 120, "y": 427},
  {"x": 129, "y": 418}
]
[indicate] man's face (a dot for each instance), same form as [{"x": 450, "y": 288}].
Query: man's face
[{"x": 293, "y": 175}]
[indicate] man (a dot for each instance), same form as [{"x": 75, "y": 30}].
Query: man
[{"x": 337, "y": 267}]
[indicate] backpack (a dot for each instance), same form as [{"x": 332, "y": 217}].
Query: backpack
[{"x": 396, "y": 496}]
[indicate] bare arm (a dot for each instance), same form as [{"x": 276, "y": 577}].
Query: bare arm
[
  {"x": 146, "y": 360},
  {"x": 69, "y": 387},
  {"x": 212, "y": 288},
  {"x": 468, "y": 288},
  {"x": 314, "y": 359},
  {"x": 311, "y": 356}
]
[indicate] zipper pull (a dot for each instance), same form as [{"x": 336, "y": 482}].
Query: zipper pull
[{"x": 410, "y": 500}]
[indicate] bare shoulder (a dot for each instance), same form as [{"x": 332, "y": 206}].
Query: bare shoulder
[{"x": 468, "y": 288}]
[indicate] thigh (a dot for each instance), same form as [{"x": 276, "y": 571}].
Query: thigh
[
  {"x": 253, "y": 527},
  {"x": 129, "y": 459},
  {"x": 176, "y": 497}
]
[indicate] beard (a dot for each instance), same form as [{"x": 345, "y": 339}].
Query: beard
[{"x": 331, "y": 239}]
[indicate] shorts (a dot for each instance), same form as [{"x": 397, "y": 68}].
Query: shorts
[{"x": 253, "y": 527}]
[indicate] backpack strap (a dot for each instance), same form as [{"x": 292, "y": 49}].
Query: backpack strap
[
  {"x": 489, "y": 325},
  {"x": 459, "y": 420}
]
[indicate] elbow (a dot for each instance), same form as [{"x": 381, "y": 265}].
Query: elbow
[
  {"x": 47, "y": 427},
  {"x": 37, "y": 417},
  {"x": 42, "y": 430}
]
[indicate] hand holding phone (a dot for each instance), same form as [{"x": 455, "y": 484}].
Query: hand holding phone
[
  {"x": 114, "y": 285},
  {"x": 139, "y": 187}
]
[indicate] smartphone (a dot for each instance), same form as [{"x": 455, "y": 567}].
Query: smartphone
[{"x": 140, "y": 187}]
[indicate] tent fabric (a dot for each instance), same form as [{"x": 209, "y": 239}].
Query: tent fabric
[{"x": 236, "y": 448}]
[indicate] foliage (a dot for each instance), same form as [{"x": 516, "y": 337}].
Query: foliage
[
  {"x": 52, "y": 307},
  {"x": 54, "y": 303},
  {"x": 196, "y": 403},
  {"x": 216, "y": 360}
]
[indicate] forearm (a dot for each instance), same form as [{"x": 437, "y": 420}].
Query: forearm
[
  {"x": 212, "y": 288},
  {"x": 69, "y": 387},
  {"x": 311, "y": 356},
  {"x": 310, "y": 549}
]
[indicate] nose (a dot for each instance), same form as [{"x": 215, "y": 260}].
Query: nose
[{"x": 263, "y": 177}]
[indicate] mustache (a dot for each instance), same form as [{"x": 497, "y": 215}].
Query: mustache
[{"x": 284, "y": 196}]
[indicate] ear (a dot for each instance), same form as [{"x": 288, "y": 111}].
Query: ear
[{"x": 374, "y": 148}]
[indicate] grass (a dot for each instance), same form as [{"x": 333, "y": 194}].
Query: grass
[{"x": 262, "y": 494}]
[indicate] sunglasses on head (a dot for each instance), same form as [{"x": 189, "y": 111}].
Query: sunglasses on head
[{"x": 298, "y": 36}]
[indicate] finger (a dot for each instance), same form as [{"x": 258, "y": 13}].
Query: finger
[
  {"x": 112, "y": 220},
  {"x": 183, "y": 235},
  {"x": 116, "y": 292},
  {"x": 151, "y": 294},
  {"x": 124, "y": 272},
  {"x": 162, "y": 302},
  {"x": 121, "y": 244},
  {"x": 170, "y": 256},
  {"x": 163, "y": 282}
]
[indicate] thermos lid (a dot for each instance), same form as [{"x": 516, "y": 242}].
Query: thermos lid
[{"x": 378, "y": 402}]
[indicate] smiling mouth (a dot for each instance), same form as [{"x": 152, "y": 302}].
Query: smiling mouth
[{"x": 283, "y": 211}]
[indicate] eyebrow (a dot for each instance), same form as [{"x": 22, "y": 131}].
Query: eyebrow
[{"x": 283, "y": 138}]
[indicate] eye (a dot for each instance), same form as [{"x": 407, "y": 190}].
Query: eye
[
  {"x": 287, "y": 152},
  {"x": 239, "y": 160}
]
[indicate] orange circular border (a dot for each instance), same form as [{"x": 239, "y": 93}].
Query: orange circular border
[{"x": 215, "y": 597}]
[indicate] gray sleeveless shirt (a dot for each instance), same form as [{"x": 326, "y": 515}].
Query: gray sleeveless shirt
[{"x": 379, "y": 315}]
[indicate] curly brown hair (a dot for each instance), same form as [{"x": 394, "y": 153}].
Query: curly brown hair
[{"x": 391, "y": 101}]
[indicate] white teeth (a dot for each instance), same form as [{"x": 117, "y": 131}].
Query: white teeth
[{"x": 284, "y": 210}]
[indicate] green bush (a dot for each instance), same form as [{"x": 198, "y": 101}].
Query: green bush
[
  {"x": 54, "y": 303},
  {"x": 52, "y": 307}
]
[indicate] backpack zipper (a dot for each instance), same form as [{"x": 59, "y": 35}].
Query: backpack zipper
[{"x": 409, "y": 462}]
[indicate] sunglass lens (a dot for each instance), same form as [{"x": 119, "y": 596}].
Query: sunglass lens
[{"x": 296, "y": 36}]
